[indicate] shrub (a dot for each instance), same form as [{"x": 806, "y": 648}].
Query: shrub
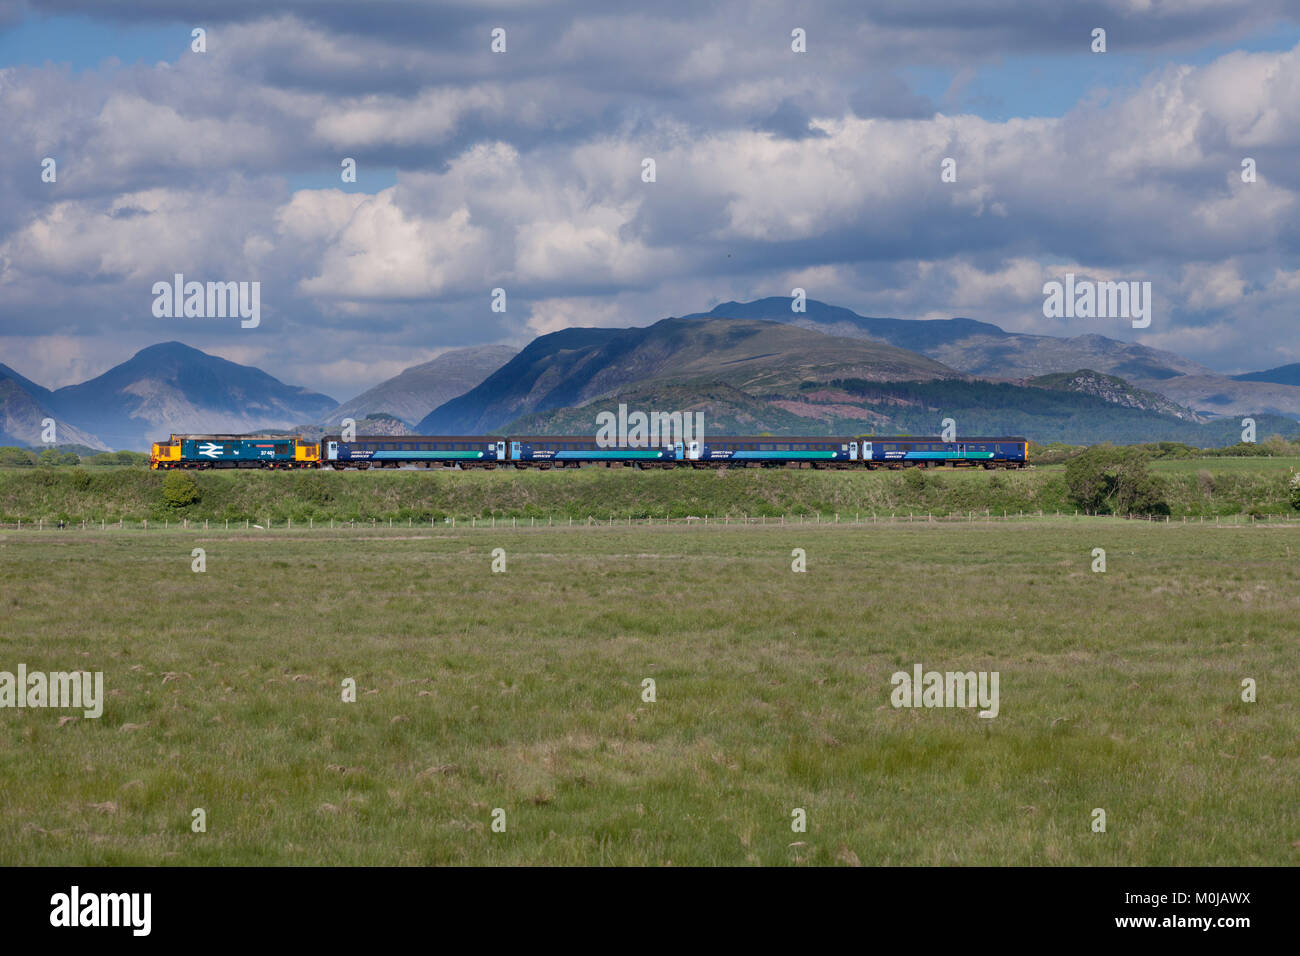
[
  {"x": 1106, "y": 478},
  {"x": 11, "y": 456},
  {"x": 179, "y": 489},
  {"x": 1294, "y": 486}
]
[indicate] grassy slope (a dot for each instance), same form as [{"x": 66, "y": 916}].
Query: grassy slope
[
  {"x": 522, "y": 691},
  {"x": 29, "y": 494}
]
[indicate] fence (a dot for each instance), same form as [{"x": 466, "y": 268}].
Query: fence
[{"x": 744, "y": 520}]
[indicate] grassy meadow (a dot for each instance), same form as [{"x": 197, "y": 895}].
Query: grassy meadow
[
  {"x": 522, "y": 691},
  {"x": 1195, "y": 489}
]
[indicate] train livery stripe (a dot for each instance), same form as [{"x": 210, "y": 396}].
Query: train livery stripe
[
  {"x": 784, "y": 455},
  {"x": 413, "y": 455},
  {"x": 943, "y": 454},
  {"x": 612, "y": 453}
]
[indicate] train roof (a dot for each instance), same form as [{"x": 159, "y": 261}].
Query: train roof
[
  {"x": 482, "y": 438},
  {"x": 235, "y": 437},
  {"x": 959, "y": 438},
  {"x": 793, "y": 438}
]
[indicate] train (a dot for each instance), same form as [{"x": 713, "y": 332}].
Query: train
[{"x": 574, "y": 451}]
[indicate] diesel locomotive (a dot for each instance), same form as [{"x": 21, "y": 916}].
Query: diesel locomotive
[{"x": 574, "y": 451}]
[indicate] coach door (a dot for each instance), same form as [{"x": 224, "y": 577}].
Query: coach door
[
  {"x": 693, "y": 450},
  {"x": 515, "y": 453},
  {"x": 332, "y": 451},
  {"x": 501, "y": 451},
  {"x": 853, "y": 451},
  {"x": 866, "y": 451}
]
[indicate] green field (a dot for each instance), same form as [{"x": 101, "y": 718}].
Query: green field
[
  {"x": 522, "y": 691},
  {"x": 1194, "y": 489}
]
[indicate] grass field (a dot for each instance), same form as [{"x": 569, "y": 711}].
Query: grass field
[
  {"x": 1196, "y": 489},
  {"x": 522, "y": 691}
]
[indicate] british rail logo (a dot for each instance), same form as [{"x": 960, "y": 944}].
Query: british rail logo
[
  {"x": 75, "y": 689},
  {"x": 641, "y": 430},
  {"x": 946, "y": 689}
]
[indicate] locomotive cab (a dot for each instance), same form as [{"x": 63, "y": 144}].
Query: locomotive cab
[{"x": 165, "y": 454}]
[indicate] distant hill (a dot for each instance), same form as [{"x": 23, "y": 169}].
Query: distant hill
[
  {"x": 1282, "y": 375},
  {"x": 573, "y": 367},
  {"x": 1113, "y": 389},
  {"x": 172, "y": 387},
  {"x": 984, "y": 349},
  {"x": 21, "y": 416},
  {"x": 974, "y": 347},
  {"x": 860, "y": 407},
  {"x": 419, "y": 389}
]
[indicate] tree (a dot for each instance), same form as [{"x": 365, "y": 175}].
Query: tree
[
  {"x": 1107, "y": 478},
  {"x": 1294, "y": 485},
  {"x": 11, "y": 456},
  {"x": 179, "y": 489},
  {"x": 48, "y": 456}
]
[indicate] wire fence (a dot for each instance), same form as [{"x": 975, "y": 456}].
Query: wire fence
[{"x": 593, "y": 521}]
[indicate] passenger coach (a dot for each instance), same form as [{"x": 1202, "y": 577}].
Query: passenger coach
[
  {"x": 907, "y": 451},
  {"x": 393, "y": 451}
]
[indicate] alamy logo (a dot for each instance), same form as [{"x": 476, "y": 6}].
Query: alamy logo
[
  {"x": 77, "y": 689},
  {"x": 639, "y": 430},
  {"x": 212, "y": 300},
  {"x": 1085, "y": 299},
  {"x": 103, "y": 909},
  {"x": 949, "y": 689}
]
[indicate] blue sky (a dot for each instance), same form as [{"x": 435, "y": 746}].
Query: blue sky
[{"x": 522, "y": 170}]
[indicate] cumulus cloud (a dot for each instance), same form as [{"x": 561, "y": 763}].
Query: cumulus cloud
[{"x": 523, "y": 171}]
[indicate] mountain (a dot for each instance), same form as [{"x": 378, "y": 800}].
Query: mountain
[
  {"x": 1282, "y": 375},
  {"x": 984, "y": 349},
  {"x": 1113, "y": 389},
  {"x": 977, "y": 348},
  {"x": 174, "y": 388},
  {"x": 859, "y": 407},
  {"x": 40, "y": 394},
  {"x": 421, "y": 388},
  {"x": 22, "y": 416},
  {"x": 572, "y": 367}
]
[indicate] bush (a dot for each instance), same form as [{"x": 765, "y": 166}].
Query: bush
[
  {"x": 1294, "y": 487},
  {"x": 1106, "y": 478},
  {"x": 914, "y": 479},
  {"x": 12, "y": 456},
  {"x": 180, "y": 489}
]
